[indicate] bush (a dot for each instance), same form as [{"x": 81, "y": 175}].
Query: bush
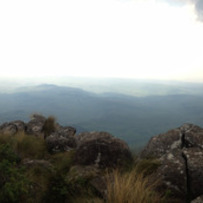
[
  {"x": 28, "y": 146},
  {"x": 63, "y": 161},
  {"x": 8, "y": 154},
  {"x": 49, "y": 126},
  {"x": 13, "y": 183},
  {"x": 39, "y": 177}
]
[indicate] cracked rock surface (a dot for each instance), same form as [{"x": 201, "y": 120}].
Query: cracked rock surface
[{"x": 180, "y": 152}]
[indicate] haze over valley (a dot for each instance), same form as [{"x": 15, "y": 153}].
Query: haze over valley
[{"x": 133, "y": 110}]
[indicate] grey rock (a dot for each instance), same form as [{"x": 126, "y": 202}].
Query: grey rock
[
  {"x": 35, "y": 125},
  {"x": 93, "y": 175},
  {"x": 172, "y": 175},
  {"x": 162, "y": 144},
  {"x": 180, "y": 152},
  {"x": 195, "y": 170},
  {"x": 13, "y": 127},
  {"x": 198, "y": 200},
  {"x": 59, "y": 144},
  {"x": 194, "y": 137},
  {"x": 65, "y": 131},
  {"x": 102, "y": 149}
]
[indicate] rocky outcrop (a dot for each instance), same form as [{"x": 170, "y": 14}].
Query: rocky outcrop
[
  {"x": 94, "y": 152},
  {"x": 180, "y": 152},
  {"x": 35, "y": 125},
  {"x": 98, "y": 149},
  {"x": 57, "y": 143},
  {"x": 66, "y": 131},
  {"x": 12, "y": 127},
  {"x": 101, "y": 149},
  {"x": 198, "y": 199}
]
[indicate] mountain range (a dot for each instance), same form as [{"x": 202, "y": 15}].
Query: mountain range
[{"x": 134, "y": 119}]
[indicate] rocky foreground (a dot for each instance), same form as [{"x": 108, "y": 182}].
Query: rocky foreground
[{"x": 179, "y": 152}]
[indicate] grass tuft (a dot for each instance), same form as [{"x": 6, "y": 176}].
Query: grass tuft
[{"x": 131, "y": 187}]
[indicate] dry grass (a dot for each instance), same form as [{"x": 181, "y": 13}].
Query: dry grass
[
  {"x": 49, "y": 126},
  {"x": 26, "y": 146},
  {"x": 62, "y": 161},
  {"x": 131, "y": 187}
]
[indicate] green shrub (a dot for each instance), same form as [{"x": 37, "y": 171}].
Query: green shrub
[
  {"x": 57, "y": 189},
  {"x": 13, "y": 184},
  {"x": 39, "y": 177},
  {"x": 8, "y": 154}
]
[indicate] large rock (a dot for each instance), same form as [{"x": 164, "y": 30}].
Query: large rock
[
  {"x": 180, "y": 152},
  {"x": 57, "y": 143},
  {"x": 101, "y": 149},
  {"x": 172, "y": 175},
  {"x": 35, "y": 125},
  {"x": 162, "y": 144},
  {"x": 198, "y": 199},
  {"x": 13, "y": 127},
  {"x": 66, "y": 131}
]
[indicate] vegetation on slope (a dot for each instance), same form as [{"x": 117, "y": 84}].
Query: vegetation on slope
[{"x": 29, "y": 173}]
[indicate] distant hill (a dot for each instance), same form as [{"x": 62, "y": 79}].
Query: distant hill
[
  {"x": 134, "y": 119},
  {"x": 133, "y": 87}
]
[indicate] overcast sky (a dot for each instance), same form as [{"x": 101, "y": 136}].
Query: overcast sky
[{"x": 156, "y": 39}]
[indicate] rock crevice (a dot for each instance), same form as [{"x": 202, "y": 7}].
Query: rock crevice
[{"x": 188, "y": 194}]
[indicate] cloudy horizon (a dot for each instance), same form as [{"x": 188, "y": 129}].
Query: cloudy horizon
[{"x": 144, "y": 39}]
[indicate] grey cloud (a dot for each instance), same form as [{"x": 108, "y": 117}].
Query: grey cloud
[
  {"x": 197, "y": 3},
  {"x": 199, "y": 8}
]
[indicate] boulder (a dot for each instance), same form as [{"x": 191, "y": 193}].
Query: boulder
[
  {"x": 198, "y": 199},
  {"x": 162, "y": 144},
  {"x": 78, "y": 172},
  {"x": 194, "y": 137},
  {"x": 57, "y": 143},
  {"x": 66, "y": 131},
  {"x": 95, "y": 177},
  {"x": 172, "y": 175},
  {"x": 35, "y": 125},
  {"x": 180, "y": 152},
  {"x": 102, "y": 149},
  {"x": 13, "y": 127}
]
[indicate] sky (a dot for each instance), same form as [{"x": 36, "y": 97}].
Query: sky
[{"x": 150, "y": 39}]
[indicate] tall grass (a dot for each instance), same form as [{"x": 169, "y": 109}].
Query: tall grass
[
  {"x": 62, "y": 161},
  {"x": 26, "y": 146},
  {"x": 131, "y": 187}
]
